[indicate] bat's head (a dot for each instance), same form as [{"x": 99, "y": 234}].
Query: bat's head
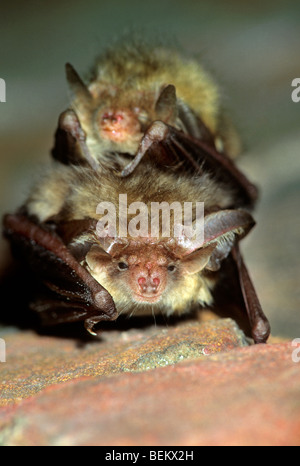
[
  {"x": 141, "y": 273},
  {"x": 119, "y": 116},
  {"x": 166, "y": 273}
]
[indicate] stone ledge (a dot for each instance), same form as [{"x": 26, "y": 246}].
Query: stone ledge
[{"x": 213, "y": 390}]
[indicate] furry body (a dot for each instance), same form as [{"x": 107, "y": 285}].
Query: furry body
[{"x": 73, "y": 193}]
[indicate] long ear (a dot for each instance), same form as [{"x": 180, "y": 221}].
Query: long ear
[
  {"x": 96, "y": 258},
  {"x": 79, "y": 91},
  {"x": 166, "y": 105},
  {"x": 197, "y": 260},
  {"x": 221, "y": 231}
]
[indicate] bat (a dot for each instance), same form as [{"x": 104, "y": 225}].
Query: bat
[{"x": 147, "y": 132}]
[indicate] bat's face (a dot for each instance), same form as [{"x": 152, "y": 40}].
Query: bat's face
[
  {"x": 144, "y": 272},
  {"x": 139, "y": 273},
  {"x": 119, "y": 116},
  {"x": 118, "y": 124}
]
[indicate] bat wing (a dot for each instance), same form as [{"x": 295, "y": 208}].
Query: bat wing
[
  {"x": 71, "y": 293},
  {"x": 70, "y": 142},
  {"x": 260, "y": 327},
  {"x": 168, "y": 147}
]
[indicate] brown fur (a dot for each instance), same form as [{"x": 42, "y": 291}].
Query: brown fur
[{"x": 74, "y": 192}]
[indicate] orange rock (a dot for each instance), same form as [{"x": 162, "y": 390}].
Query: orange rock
[{"x": 249, "y": 395}]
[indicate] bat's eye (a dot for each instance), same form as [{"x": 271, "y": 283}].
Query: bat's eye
[
  {"x": 122, "y": 266},
  {"x": 171, "y": 268}
]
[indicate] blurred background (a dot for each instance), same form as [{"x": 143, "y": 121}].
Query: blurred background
[{"x": 252, "y": 48}]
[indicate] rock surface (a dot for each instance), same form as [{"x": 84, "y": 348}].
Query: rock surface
[
  {"x": 191, "y": 384},
  {"x": 34, "y": 362}
]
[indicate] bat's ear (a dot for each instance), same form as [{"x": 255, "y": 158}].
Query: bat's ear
[
  {"x": 79, "y": 91},
  {"x": 197, "y": 260},
  {"x": 102, "y": 253},
  {"x": 221, "y": 231},
  {"x": 70, "y": 139},
  {"x": 97, "y": 257},
  {"x": 166, "y": 105}
]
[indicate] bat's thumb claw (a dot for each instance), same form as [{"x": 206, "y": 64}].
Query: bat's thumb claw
[{"x": 261, "y": 331}]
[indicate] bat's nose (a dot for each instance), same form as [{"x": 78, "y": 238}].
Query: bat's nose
[{"x": 148, "y": 285}]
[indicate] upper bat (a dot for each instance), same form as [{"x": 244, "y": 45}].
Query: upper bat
[
  {"x": 149, "y": 125},
  {"x": 131, "y": 87}
]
